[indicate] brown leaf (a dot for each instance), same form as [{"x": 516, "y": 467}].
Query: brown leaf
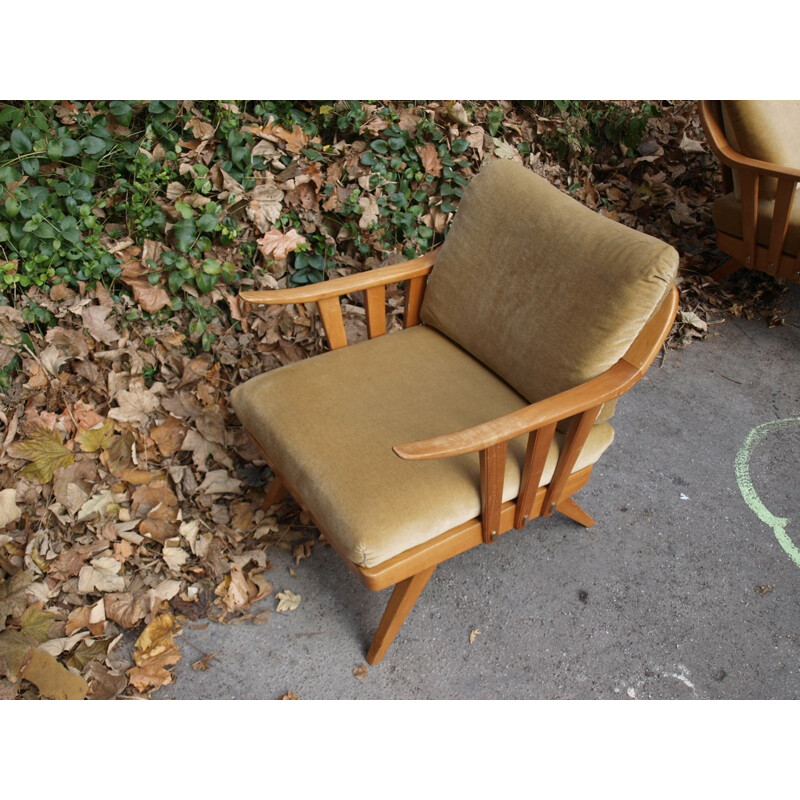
[
  {"x": 202, "y": 664},
  {"x": 168, "y": 436},
  {"x": 103, "y": 683},
  {"x": 150, "y": 298},
  {"x": 431, "y": 162},
  {"x": 134, "y": 404},
  {"x": 276, "y": 244},
  {"x": 155, "y": 650},
  {"x": 126, "y": 609},
  {"x": 14, "y": 595},
  {"x": 94, "y": 319},
  {"x": 52, "y": 679}
]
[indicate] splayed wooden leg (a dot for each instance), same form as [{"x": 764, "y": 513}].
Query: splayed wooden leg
[
  {"x": 725, "y": 270},
  {"x": 401, "y": 602},
  {"x": 569, "y": 508}
]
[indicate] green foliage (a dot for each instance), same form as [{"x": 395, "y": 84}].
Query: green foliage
[{"x": 587, "y": 125}]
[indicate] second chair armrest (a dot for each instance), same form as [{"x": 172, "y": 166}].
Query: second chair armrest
[{"x": 337, "y": 287}]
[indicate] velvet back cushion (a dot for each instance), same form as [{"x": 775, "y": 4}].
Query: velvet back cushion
[{"x": 542, "y": 290}]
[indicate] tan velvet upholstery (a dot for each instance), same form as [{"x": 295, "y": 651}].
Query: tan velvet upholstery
[
  {"x": 544, "y": 307},
  {"x": 727, "y": 215},
  {"x": 768, "y": 130},
  {"x": 328, "y": 425}
]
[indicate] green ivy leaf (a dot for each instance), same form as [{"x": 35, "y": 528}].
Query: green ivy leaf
[
  {"x": 184, "y": 209},
  {"x": 207, "y": 223},
  {"x": 184, "y": 234},
  {"x": 205, "y": 283},
  {"x": 92, "y": 145},
  {"x": 20, "y": 143},
  {"x": 30, "y": 166}
]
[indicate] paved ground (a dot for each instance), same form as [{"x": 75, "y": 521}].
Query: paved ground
[{"x": 679, "y": 591}]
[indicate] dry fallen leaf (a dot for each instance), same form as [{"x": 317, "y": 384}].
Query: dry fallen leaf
[
  {"x": 52, "y": 679},
  {"x": 202, "y": 664},
  {"x": 9, "y": 510},
  {"x": 134, "y": 404},
  {"x": 474, "y": 635},
  {"x": 287, "y": 600},
  {"x": 46, "y": 452},
  {"x": 155, "y": 650},
  {"x": 276, "y": 244},
  {"x": 101, "y": 575},
  {"x": 289, "y": 696},
  {"x": 360, "y": 671}
]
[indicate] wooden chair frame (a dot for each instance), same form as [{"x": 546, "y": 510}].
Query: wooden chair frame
[
  {"x": 410, "y": 571},
  {"x": 746, "y": 252}
]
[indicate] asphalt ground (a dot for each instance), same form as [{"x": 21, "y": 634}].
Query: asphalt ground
[{"x": 688, "y": 586}]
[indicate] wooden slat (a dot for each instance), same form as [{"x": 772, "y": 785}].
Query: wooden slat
[
  {"x": 375, "y": 301},
  {"x": 493, "y": 471},
  {"x": 331, "y": 312},
  {"x": 573, "y": 444},
  {"x": 749, "y": 188},
  {"x": 415, "y": 291},
  {"x": 781, "y": 213},
  {"x": 535, "y": 457}
]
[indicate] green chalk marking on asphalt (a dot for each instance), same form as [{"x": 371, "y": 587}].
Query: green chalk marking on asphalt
[{"x": 742, "y": 465}]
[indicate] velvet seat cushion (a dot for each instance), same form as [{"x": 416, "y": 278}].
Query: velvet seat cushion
[
  {"x": 727, "y": 215},
  {"x": 328, "y": 425},
  {"x": 542, "y": 290}
]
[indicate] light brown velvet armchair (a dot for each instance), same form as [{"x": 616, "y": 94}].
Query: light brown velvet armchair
[
  {"x": 757, "y": 143},
  {"x": 492, "y": 404}
]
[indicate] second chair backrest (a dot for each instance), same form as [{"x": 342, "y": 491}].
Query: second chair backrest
[
  {"x": 544, "y": 291},
  {"x": 767, "y": 130}
]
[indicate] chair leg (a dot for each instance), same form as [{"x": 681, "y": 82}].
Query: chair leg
[
  {"x": 725, "y": 270},
  {"x": 401, "y": 602},
  {"x": 275, "y": 493},
  {"x": 569, "y": 508}
]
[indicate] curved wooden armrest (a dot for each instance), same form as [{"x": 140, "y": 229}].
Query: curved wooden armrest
[
  {"x": 337, "y": 287},
  {"x": 731, "y": 158},
  {"x": 612, "y": 383},
  {"x": 592, "y": 394}
]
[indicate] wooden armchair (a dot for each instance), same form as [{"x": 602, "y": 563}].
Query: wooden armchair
[
  {"x": 757, "y": 143},
  {"x": 492, "y": 404}
]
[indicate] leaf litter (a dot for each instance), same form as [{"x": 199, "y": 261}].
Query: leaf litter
[{"x": 131, "y": 499}]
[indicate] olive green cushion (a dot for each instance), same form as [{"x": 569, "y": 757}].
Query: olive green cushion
[
  {"x": 727, "y": 215},
  {"x": 328, "y": 425},
  {"x": 539, "y": 288},
  {"x": 767, "y": 130}
]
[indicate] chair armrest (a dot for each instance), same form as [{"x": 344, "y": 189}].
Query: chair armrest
[
  {"x": 337, "y": 287},
  {"x": 611, "y": 384},
  {"x": 731, "y": 158}
]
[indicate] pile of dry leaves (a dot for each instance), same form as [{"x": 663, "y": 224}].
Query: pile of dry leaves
[{"x": 132, "y": 500}]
